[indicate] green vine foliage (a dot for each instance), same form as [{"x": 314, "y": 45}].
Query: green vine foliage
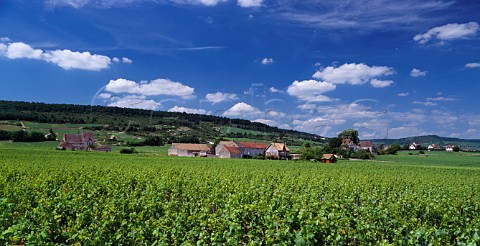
[{"x": 86, "y": 198}]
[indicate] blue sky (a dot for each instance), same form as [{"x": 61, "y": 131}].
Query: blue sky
[{"x": 387, "y": 68}]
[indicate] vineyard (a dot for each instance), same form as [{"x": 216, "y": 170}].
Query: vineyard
[{"x": 84, "y": 198}]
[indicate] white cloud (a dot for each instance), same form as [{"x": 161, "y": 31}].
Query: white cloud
[
  {"x": 310, "y": 90},
  {"x": 187, "y": 110},
  {"x": 403, "y": 94},
  {"x": 249, "y": 3},
  {"x": 127, "y": 60},
  {"x": 119, "y": 3},
  {"x": 417, "y": 73},
  {"x": 351, "y": 73},
  {"x": 67, "y": 60},
  {"x": 115, "y": 59},
  {"x": 448, "y": 32},
  {"x": 133, "y": 101},
  {"x": 153, "y": 88},
  {"x": 219, "y": 97},
  {"x": 241, "y": 109},
  {"x": 266, "y": 122},
  {"x": 427, "y": 103},
  {"x": 380, "y": 83},
  {"x": 473, "y": 65},
  {"x": 441, "y": 99},
  {"x": 105, "y": 96},
  {"x": 20, "y": 50},
  {"x": 266, "y": 61},
  {"x": 273, "y": 90}
]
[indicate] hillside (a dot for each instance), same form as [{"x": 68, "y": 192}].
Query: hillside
[
  {"x": 134, "y": 125},
  {"x": 467, "y": 144}
]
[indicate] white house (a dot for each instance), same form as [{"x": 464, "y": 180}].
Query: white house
[
  {"x": 278, "y": 150},
  {"x": 368, "y": 146},
  {"x": 187, "y": 149},
  {"x": 433, "y": 147},
  {"x": 449, "y": 147},
  {"x": 415, "y": 145}
]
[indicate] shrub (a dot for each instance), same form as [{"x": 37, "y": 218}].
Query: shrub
[{"x": 128, "y": 151}]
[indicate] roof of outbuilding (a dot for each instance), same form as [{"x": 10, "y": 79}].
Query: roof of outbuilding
[
  {"x": 189, "y": 146},
  {"x": 253, "y": 145}
]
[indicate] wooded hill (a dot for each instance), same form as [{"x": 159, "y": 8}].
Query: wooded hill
[{"x": 169, "y": 126}]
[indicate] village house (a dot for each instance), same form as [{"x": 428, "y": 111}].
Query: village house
[
  {"x": 221, "y": 144},
  {"x": 277, "y": 151},
  {"x": 368, "y": 146},
  {"x": 83, "y": 141},
  {"x": 415, "y": 145},
  {"x": 433, "y": 147},
  {"x": 348, "y": 144},
  {"x": 449, "y": 147},
  {"x": 252, "y": 149},
  {"x": 188, "y": 149},
  {"x": 229, "y": 152},
  {"x": 328, "y": 158}
]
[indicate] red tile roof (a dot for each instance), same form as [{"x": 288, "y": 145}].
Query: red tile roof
[
  {"x": 232, "y": 150},
  {"x": 253, "y": 145}
]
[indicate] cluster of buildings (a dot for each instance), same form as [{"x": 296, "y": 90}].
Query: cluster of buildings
[
  {"x": 365, "y": 145},
  {"x": 419, "y": 146},
  {"x": 231, "y": 149},
  {"x": 82, "y": 141}
]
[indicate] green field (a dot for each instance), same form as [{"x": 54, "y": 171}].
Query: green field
[{"x": 90, "y": 198}]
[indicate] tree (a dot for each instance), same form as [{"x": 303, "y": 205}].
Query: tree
[
  {"x": 153, "y": 141},
  {"x": 306, "y": 145},
  {"x": 393, "y": 149},
  {"x": 351, "y": 134},
  {"x": 456, "y": 148},
  {"x": 334, "y": 143}
]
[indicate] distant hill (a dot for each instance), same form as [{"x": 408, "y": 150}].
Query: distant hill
[
  {"x": 139, "y": 123},
  {"x": 432, "y": 139}
]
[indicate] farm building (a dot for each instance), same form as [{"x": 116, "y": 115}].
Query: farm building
[
  {"x": 82, "y": 141},
  {"x": 221, "y": 144},
  {"x": 229, "y": 152},
  {"x": 368, "y": 146},
  {"x": 251, "y": 149},
  {"x": 277, "y": 150},
  {"x": 415, "y": 145},
  {"x": 187, "y": 149},
  {"x": 449, "y": 147},
  {"x": 328, "y": 158},
  {"x": 434, "y": 147},
  {"x": 348, "y": 144}
]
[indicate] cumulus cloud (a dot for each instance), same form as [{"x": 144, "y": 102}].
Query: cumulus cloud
[
  {"x": 441, "y": 99},
  {"x": 417, "y": 73},
  {"x": 219, "y": 97},
  {"x": 266, "y": 122},
  {"x": 273, "y": 90},
  {"x": 403, "y": 94},
  {"x": 20, "y": 50},
  {"x": 249, "y": 3},
  {"x": 310, "y": 90},
  {"x": 127, "y": 60},
  {"x": 105, "y": 95},
  {"x": 241, "y": 109},
  {"x": 380, "y": 83},
  {"x": 448, "y": 32},
  {"x": 266, "y": 61},
  {"x": 352, "y": 73},
  {"x": 187, "y": 110},
  {"x": 65, "y": 59},
  {"x": 133, "y": 101},
  {"x": 472, "y": 65},
  {"x": 153, "y": 88}
]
